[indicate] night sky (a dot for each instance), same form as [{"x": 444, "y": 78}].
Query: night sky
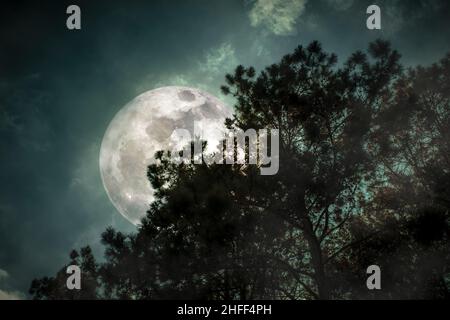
[{"x": 59, "y": 89}]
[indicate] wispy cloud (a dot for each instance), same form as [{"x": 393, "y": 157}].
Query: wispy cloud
[
  {"x": 8, "y": 295},
  {"x": 219, "y": 59},
  {"x": 278, "y": 16},
  {"x": 3, "y": 274},
  {"x": 11, "y": 295}
]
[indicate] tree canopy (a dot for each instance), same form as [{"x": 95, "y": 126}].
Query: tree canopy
[{"x": 364, "y": 178}]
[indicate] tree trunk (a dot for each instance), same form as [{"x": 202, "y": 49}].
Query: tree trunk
[{"x": 316, "y": 257}]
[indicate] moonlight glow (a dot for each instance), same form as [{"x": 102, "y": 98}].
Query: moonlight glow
[{"x": 144, "y": 126}]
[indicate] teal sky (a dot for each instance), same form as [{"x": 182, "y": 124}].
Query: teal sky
[{"x": 59, "y": 90}]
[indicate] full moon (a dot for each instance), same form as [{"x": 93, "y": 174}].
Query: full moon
[{"x": 142, "y": 127}]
